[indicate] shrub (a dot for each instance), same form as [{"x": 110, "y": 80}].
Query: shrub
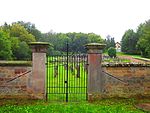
[{"x": 112, "y": 52}]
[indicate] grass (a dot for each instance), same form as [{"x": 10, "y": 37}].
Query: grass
[
  {"x": 109, "y": 60},
  {"x": 133, "y": 56},
  {"x": 101, "y": 106},
  {"x": 141, "y": 58}
]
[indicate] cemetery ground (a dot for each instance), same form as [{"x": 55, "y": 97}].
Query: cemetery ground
[
  {"x": 113, "y": 105},
  {"x": 126, "y": 58},
  {"x": 133, "y": 58}
]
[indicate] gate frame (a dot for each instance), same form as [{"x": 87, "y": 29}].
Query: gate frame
[
  {"x": 67, "y": 77},
  {"x": 38, "y": 79}
]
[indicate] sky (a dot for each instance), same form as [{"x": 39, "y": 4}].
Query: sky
[{"x": 102, "y": 17}]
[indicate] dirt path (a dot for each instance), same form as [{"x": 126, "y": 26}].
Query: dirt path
[{"x": 132, "y": 59}]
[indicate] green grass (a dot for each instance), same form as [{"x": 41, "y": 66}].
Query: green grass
[
  {"x": 134, "y": 56},
  {"x": 109, "y": 60},
  {"x": 124, "y": 54},
  {"x": 101, "y": 106},
  {"x": 140, "y": 58}
]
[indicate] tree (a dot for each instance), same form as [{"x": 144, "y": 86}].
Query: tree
[
  {"x": 144, "y": 39},
  {"x": 129, "y": 42},
  {"x": 76, "y": 41},
  {"x": 23, "y": 52},
  {"x": 31, "y": 29},
  {"x": 5, "y": 46},
  {"x": 110, "y": 42},
  {"x": 14, "y": 45},
  {"x": 95, "y": 38},
  {"x": 19, "y": 39},
  {"x": 19, "y": 31},
  {"x": 112, "y": 52}
]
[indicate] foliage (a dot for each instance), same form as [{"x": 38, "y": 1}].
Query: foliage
[
  {"x": 110, "y": 42},
  {"x": 31, "y": 29},
  {"x": 144, "y": 39},
  {"x": 76, "y": 41},
  {"x": 112, "y": 52},
  {"x": 15, "y": 45},
  {"x": 19, "y": 31},
  {"x": 22, "y": 52},
  {"x": 137, "y": 42},
  {"x": 13, "y": 42},
  {"x": 129, "y": 42},
  {"x": 102, "y": 106},
  {"x": 5, "y": 46}
]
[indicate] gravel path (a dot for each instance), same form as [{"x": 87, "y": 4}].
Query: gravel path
[{"x": 132, "y": 59}]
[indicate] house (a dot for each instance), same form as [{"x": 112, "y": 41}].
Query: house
[{"x": 118, "y": 47}]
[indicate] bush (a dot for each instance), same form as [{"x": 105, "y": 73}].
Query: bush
[{"x": 112, "y": 52}]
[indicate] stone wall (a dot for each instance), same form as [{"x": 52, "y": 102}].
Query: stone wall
[
  {"x": 126, "y": 80},
  {"x": 14, "y": 79},
  {"x": 119, "y": 80}
]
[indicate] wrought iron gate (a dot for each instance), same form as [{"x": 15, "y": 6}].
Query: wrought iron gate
[{"x": 67, "y": 77}]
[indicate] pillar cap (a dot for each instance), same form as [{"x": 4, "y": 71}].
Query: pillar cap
[
  {"x": 39, "y": 43},
  {"x": 95, "y": 46},
  {"x": 39, "y": 46}
]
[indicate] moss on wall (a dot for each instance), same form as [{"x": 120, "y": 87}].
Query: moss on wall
[{"x": 15, "y": 63}]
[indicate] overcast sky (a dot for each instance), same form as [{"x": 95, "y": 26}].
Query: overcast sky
[{"x": 102, "y": 17}]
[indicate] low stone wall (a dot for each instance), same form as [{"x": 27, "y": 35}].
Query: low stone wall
[
  {"x": 14, "y": 79},
  {"x": 119, "y": 80},
  {"x": 126, "y": 80}
]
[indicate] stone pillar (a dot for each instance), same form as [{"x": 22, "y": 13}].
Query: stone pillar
[
  {"x": 95, "y": 77},
  {"x": 38, "y": 78}
]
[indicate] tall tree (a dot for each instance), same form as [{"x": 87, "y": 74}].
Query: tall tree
[
  {"x": 110, "y": 42},
  {"x": 15, "y": 45},
  {"x": 19, "y": 39},
  {"x": 76, "y": 41},
  {"x": 5, "y": 46},
  {"x": 30, "y": 27},
  {"x": 129, "y": 42},
  {"x": 19, "y": 31},
  {"x": 22, "y": 52},
  {"x": 144, "y": 39}
]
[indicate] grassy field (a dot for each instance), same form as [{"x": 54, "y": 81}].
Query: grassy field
[{"x": 101, "y": 106}]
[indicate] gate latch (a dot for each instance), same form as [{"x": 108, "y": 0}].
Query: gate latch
[{"x": 65, "y": 81}]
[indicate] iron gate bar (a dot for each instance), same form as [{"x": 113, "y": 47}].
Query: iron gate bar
[
  {"x": 67, "y": 76},
  {"x": 75, "y": 88}
]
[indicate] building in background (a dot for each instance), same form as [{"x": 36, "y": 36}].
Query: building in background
[{"x": 118, "y": 47}]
